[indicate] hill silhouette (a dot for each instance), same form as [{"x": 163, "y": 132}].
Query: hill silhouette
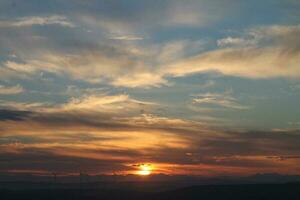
[{"x": 231, "y": 192}]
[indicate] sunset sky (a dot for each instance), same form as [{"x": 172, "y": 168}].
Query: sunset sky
[{"x": 195, "y": 87}]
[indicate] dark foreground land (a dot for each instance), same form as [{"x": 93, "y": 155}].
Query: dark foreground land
[{"x": 240, "y": 192}]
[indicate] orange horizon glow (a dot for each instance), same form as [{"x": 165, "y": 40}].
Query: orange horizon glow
[{"x": 144, "y": 170}]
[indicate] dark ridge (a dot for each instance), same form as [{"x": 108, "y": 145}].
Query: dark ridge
[{"x": 288, "y": 191}]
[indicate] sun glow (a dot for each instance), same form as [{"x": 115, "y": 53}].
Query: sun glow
[{"x": 145, "y": 170}]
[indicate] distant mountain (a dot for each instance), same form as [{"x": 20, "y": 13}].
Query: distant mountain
[
  {"x": 273, "y": 178},
  {"x": 158, "y": 181},
  {"x": 211, "y": 192}
]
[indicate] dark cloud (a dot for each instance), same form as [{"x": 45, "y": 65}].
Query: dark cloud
[
  {"x": 248, "y": 150},
  {"x": 41, "y": 160},
  {"x": 283, "y": 158},
  {"x": 14, "y": 115}
]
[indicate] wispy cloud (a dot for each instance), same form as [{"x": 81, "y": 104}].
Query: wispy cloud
[
  {"x": 231, "y": 41},
  {"x": 220, "y": 99},
  {"x": 276, "y": 58},
  {"x": 8, "y": 90},
  {"x": 106, "y": 104},
  {"x": 144, "y": 80},
  {"x": 126, "y": 37},
  {"x": 37, "y": 20},
  {"x": 273, "y": 53}
]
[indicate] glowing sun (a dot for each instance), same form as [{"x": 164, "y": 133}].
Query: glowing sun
[{"x": 145, "y": 170}]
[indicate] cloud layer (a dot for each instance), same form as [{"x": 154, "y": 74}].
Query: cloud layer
[
  {"x": 260, "y": 53},
  {"x": 94, "y": 132},
  {"x": 200, "y": 87}
]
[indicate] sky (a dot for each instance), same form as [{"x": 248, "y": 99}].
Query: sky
[{"x": 194, "y": 87}]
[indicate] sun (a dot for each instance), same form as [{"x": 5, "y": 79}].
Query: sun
[{"x": 145, "y": 170}]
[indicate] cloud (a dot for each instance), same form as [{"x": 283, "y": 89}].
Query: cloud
[
  {"x": 91, "y": 66},
  {"x": 104, "y": 56},
  {"x": 157, "y": 121},
  {"x": 127, "y": 37},
  {"x": 92, "y": 102},
  {"x": 106, "y": 104},
  {"x": 230, "y": 41},
  {"x": 276, "y": 55},
  {"x": 120, "y": 65},
  {"x": 46, "y": 162},
  {"x": 114, "y": 129},
  {"x": 32, "y": 106},
  {"x": 4, "y": 90},
  {"x": 21, "y": 67},
  {"x": 220, "y": 99},
  {"x": 261, "y": 52},
  {"x": 164, "y": 142},
  {"x": 38, "y": 20},
  {"x": 283, "y": 158},
  {"x": 99, "y": 112},
  {"x": 13, "y": 115},
  {"x": 140, "y": 80}
]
